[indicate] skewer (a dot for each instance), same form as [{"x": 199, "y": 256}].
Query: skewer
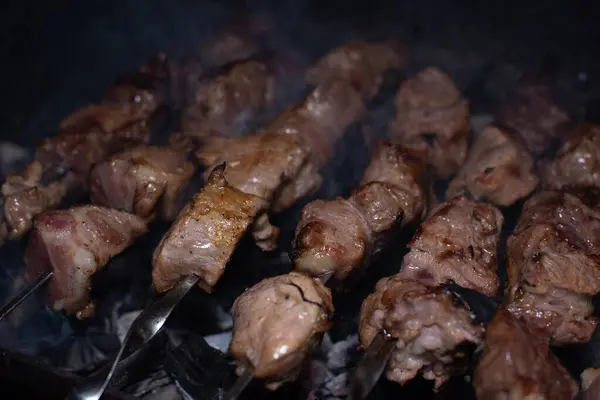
[
  {"x": 241, "y": 383},
  {"x": 371, "y": 366},
  {"x": 24, "y": 294},
  {"x": 144, "y": 328}
]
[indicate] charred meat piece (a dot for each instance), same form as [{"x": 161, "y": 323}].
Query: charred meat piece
[
  {"x": 204, "y": 235},
  {"x": 553, "y": 270},
  {"x": 432, "y": 118},
  {"x": 142, "y": 181},
  {"x": 429, "y": 324},
  {"x": 533, "y": 115},
  {"x": 457, "y": 242},
  {"x": 518, "y": 364},
  {"x": 498, "y": 169},
  {"x": 74, "y": 244},
  {"x": 577, "y": 162},
  {"x": 590, "y": 384},
  {"x": 277, "y": 323},
  {"x": 360, "y": 63},
  {"x": 333, "y": 238},
  {"x": 24, "y": 197},
  {"x": 224, "y": 104}
]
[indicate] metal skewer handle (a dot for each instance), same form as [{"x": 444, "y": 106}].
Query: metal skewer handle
[
  {"x": 145, "y": 327},
  {"x": 24, "y": 294},
  {"x": 241, "y": 383}
]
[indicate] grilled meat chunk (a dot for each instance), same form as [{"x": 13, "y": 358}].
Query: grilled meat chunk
[
  {"x": 225, "y": 104},
  {"x": 553, "y": 268},
  {"x": 360, "y": 63},
  {"x": 427, "y": 323},
  {"x": 432, "y": 118},
  {"x": 74, "y": 244},
  {"x": 577, "y": 162},
  {"x": 142, "y": 180},
  {"x": 590, "y": 384},
  {"x": 498, "y": 169},
  {"x": 533, "y": 115},
  {"x": 277, "y": 323},
  {"x": 518, "y": 364},
  {"x": 458, "y": 242},
  {"x": 24, "y": 197},
  {"x": 204, "y": 235},
  {"x": 333, "y": 238}
]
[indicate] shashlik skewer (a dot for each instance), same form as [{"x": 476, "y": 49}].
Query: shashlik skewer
[
  {"x": 391, "y": 197},
  {"x": 300, "y": 125}
]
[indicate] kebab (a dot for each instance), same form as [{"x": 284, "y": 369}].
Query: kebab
[
  {"x": 333, "y": 239},
  {"x": 255, "y": 172}
]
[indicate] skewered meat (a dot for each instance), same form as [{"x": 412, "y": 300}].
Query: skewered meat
[
  {"x": 432, "y": 118},
  {"x": 518, "y": 364},
  {"x": 277, "y": 323},
  {"x": 360, "y": 63},
  {"x": 553, "y": 264},
  {"x": 458, "y": 242},
  {"x": 224, "y": 104},
  {"x": 138, "y": 180},
  {"x": 428, "y": 323},
  {"x": 590, "y": 384},
  {"x": 577, "y": 162},
  {"x": 533, "y": 115},
  {"x": 24, "y": 197},
  {"x": 339, "y": 236},
  {"x": 74, "y": 244},
  {"x": 273, "y": 164},
  {"x": 498, "y": 169},
  {"x": 204, "y": 235}
]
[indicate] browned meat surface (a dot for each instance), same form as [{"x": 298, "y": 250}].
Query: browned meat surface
[
  {"x": 427, "y": 323},
  {"x": 458, "y": 242},
  {"x": 142, "y": 181},
  {"x": 277, "y": 323},
  {"x": 432, "y": 118},
  {"x": 590, "y": 384},
  {"x": 333, "y": 238},
  {"x": 74, "y": 244},
  {"x": 226, "y": 103},
  {"x": 25, "y": 197},
  {"x": 360, "y": 63},
  {"x": 517, "y": 364},
  {"x": 498, "y": 169},
  {"x": 533, "y": 114},
  {"x": 577, "y": 162},
  {"x": 204, "y": 235},
  {"x": 553, "y": 264}
]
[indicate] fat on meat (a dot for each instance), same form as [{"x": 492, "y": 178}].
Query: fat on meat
[
  {"x": 335, "y": 238},
  {"x": 429, "y": 324},
  {"x": 458, "y": 242},
  {"x": 360, "y": 63},
  {"x": 518, "y": 364},
  {"x": 74, "y": 244},
  {"x": 498, "y": 169},
  {"x": 203, "y": 237},
  {"x": 553, "y": 264},
  {"x": 432, "y": 118},
  {"x": 143, "y": 181},
  {"x": 277, "y": 323}
]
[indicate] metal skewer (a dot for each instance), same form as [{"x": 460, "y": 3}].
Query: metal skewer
[
  {"x": 24, "y": 294},
  {"x": 241, "y": 383},
  {"x": 144, "y": 328},
  {"x": 371, "y": 366}
]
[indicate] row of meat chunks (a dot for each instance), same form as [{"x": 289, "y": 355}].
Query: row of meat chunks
[{"x": 551, "y": 256}]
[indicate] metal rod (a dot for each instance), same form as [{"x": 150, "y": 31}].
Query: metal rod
[
  {"x": 241, "y": 383},
  {"x": 371, "y": 366},
  {"x": 24, "y": 294},
  {"x": 144, "y": 328}
]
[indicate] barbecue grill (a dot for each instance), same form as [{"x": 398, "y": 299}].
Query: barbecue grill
[{"x": 63, "y": 56}]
